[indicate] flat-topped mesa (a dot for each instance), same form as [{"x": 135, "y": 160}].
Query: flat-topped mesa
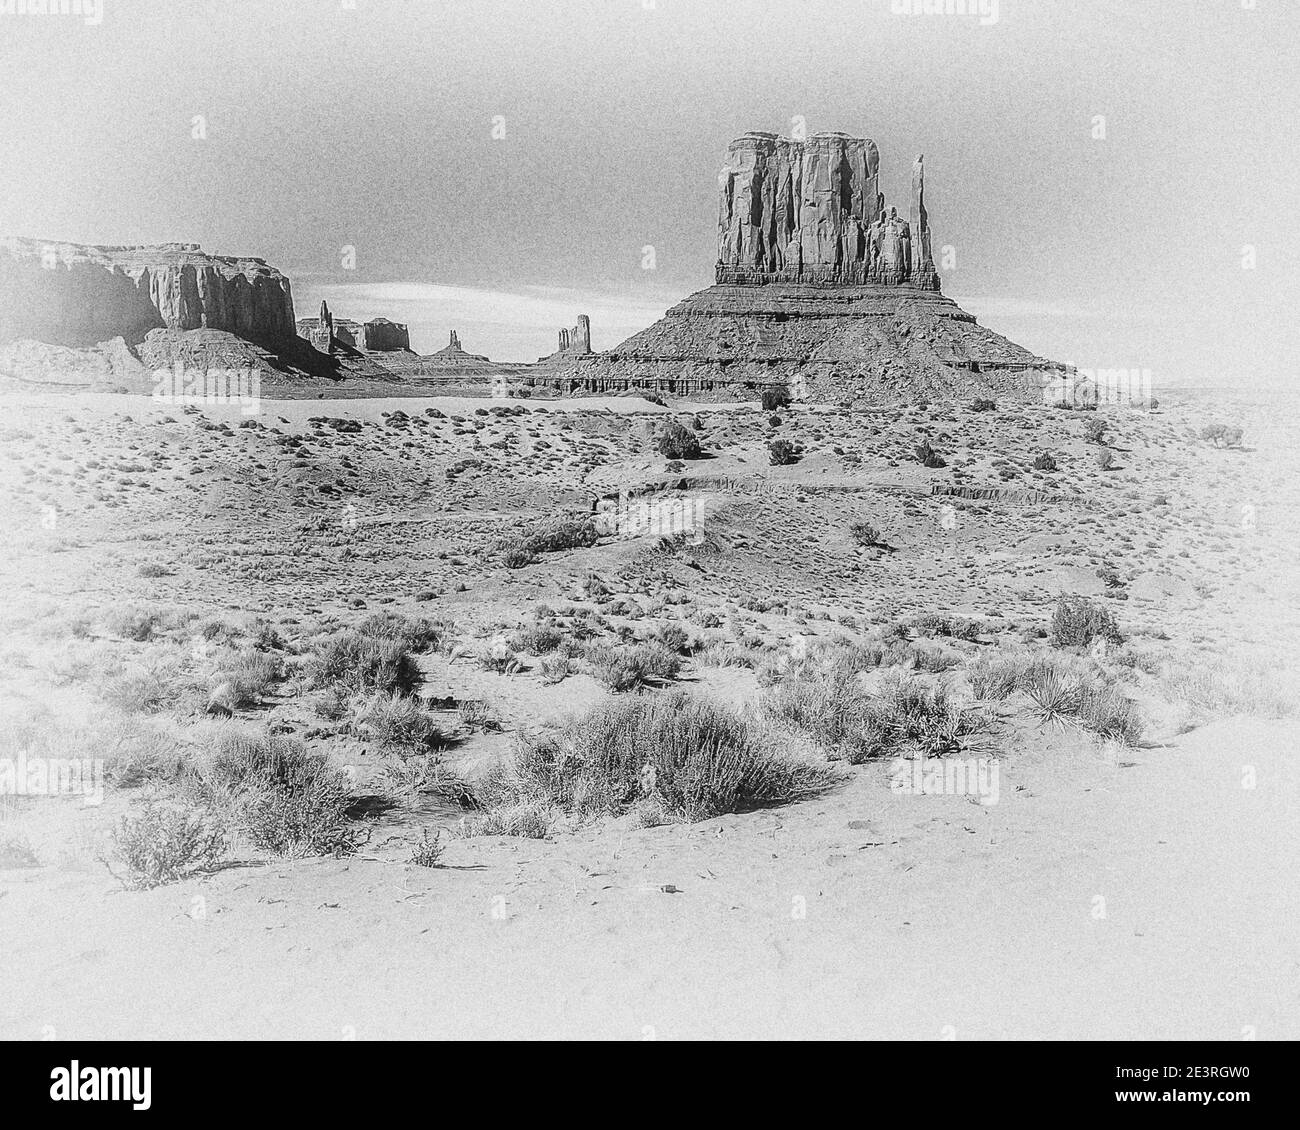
[
  {"x": 812, "y": 212},
  {"x": 81, "y": 294}
]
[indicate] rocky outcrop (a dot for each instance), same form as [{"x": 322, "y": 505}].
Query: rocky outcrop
[
  {"x": 78, "y": 295},
  {"x": 330, "y": 334},
  {"x": 812, "y": 212},
  {"x": 452, "y": 354},
  {"x": 875, "y": 343},
  {"x": 822, "y": 291},
  {"x": 379, "y": 335},
  {"x": 577, "y": 339}
]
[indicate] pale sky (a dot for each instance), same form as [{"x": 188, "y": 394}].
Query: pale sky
[{"x": 370, "y": 124}]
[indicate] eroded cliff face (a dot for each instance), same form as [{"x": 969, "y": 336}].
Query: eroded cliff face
[
  {"x": 812, "y": 212},
  {"x": 78, "y": 295}
]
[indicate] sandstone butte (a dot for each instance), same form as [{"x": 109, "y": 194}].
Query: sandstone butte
[{"x": 820, "y": 289}]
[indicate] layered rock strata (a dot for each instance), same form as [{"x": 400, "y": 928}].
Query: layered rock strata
[
  {"x": 812, "y": 212},
  {"x": 821, "y": 290},
  {"x": 79, "y": 295}
]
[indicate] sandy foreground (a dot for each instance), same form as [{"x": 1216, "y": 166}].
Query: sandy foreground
[
  {"x": 864, "y": 914},
  {"x": 1138, "y": 893}
]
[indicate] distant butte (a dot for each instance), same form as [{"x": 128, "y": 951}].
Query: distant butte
[{"x": 821, "y": 290}]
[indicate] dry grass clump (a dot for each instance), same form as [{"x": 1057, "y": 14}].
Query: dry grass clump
[
  {"x": 827, "y": 701},
  {"x": 286, "y": 800},
  {"x": 537, "y": 639},
  {"x": 1228, "y": 687},
  {"x": 245, "y": 677},
  {"x": 1063, "y": 689},
  {"x": 955, "y": 627},
  {"x": 160, "y": 681},
  {"x": 692, "y": 756},
  {"x": 361, "y": 664},
  {"x": 553, "y": 537},
  {"x": 133, "y": 622},
  {"x": 167, "y": 841},
  {"x": 397, "y": 723},
  {"x": 377, "y": 655},
  {"x": 1077, "y": 621},
  {"x": 135, "y": 753},
  {"x": 428, "y": 851},
  {"x": 632, "y": 666},
  {"x": 725, "y": 653}
]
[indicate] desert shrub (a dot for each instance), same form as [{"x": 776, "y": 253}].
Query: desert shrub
[
  {"x": 981, "y": 405},
  {"x": 153, "y": 570},
  {"x": 825, "y": 699},
  {"x": 555, "y": 669},
  {"x": 1077, "y": 621},
  {"x": 827, "y": 702},
  {"x": 774, "y": 398},
  {"x": 1229, "y": 687},
  {"x": 561, "y": 534},
  {"x": 1062, "y": 689},
  {"x": 552, "y": 537},
  {"x": 674, "y": 637},
  {"x": 537, "y": 639},
  {"x": 135, "y": 754},
  {"x": 516, "y": 557},
  {"x": 141, "y": 690},
  {"x": 1222, "y": 435},
  {"x": 285, "y": 799},
  {"x": 531, "y": 820},
  {"x": 864, "y": 534},
  {"x": 694, "y": 756},
  {"x": 1063, "y": 695},
  {"x": 243, "y": 678},
  {"x": 138, "y": 624},
  {"x": 302, "y": 814},
  {"x": 16, "y": 852},
  {"x": 910, "y": 717},
  {"x": 1105, "y": 459},
  {"x": 1045, "y": 462},
  {"x": 927, "y": 456},
  {"x": 632, "y": 666},
  {"x": 956, "y": 627},
  {"x": 724, "y": 653},
  {"x": 499, "y": 659},
  {"x": 428, "y": 851},
  {"x": 166, "y": 842},
  {"x": 1094, "y": 429},
  {"x": 1000, "y": 676},
  {"x": 362, "y": 663},
  {"x": 935, "y": 660},
  {"x": 411, "y": 780},
  {"x": 677, "y": 441},
  {"x": 415, "y": 633},
  {"x": 235, "y": 758},
  {"x": 476, "y": 713},
  {"x": 781, "y": 453},
  {"x": 397, "y": 722}
]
